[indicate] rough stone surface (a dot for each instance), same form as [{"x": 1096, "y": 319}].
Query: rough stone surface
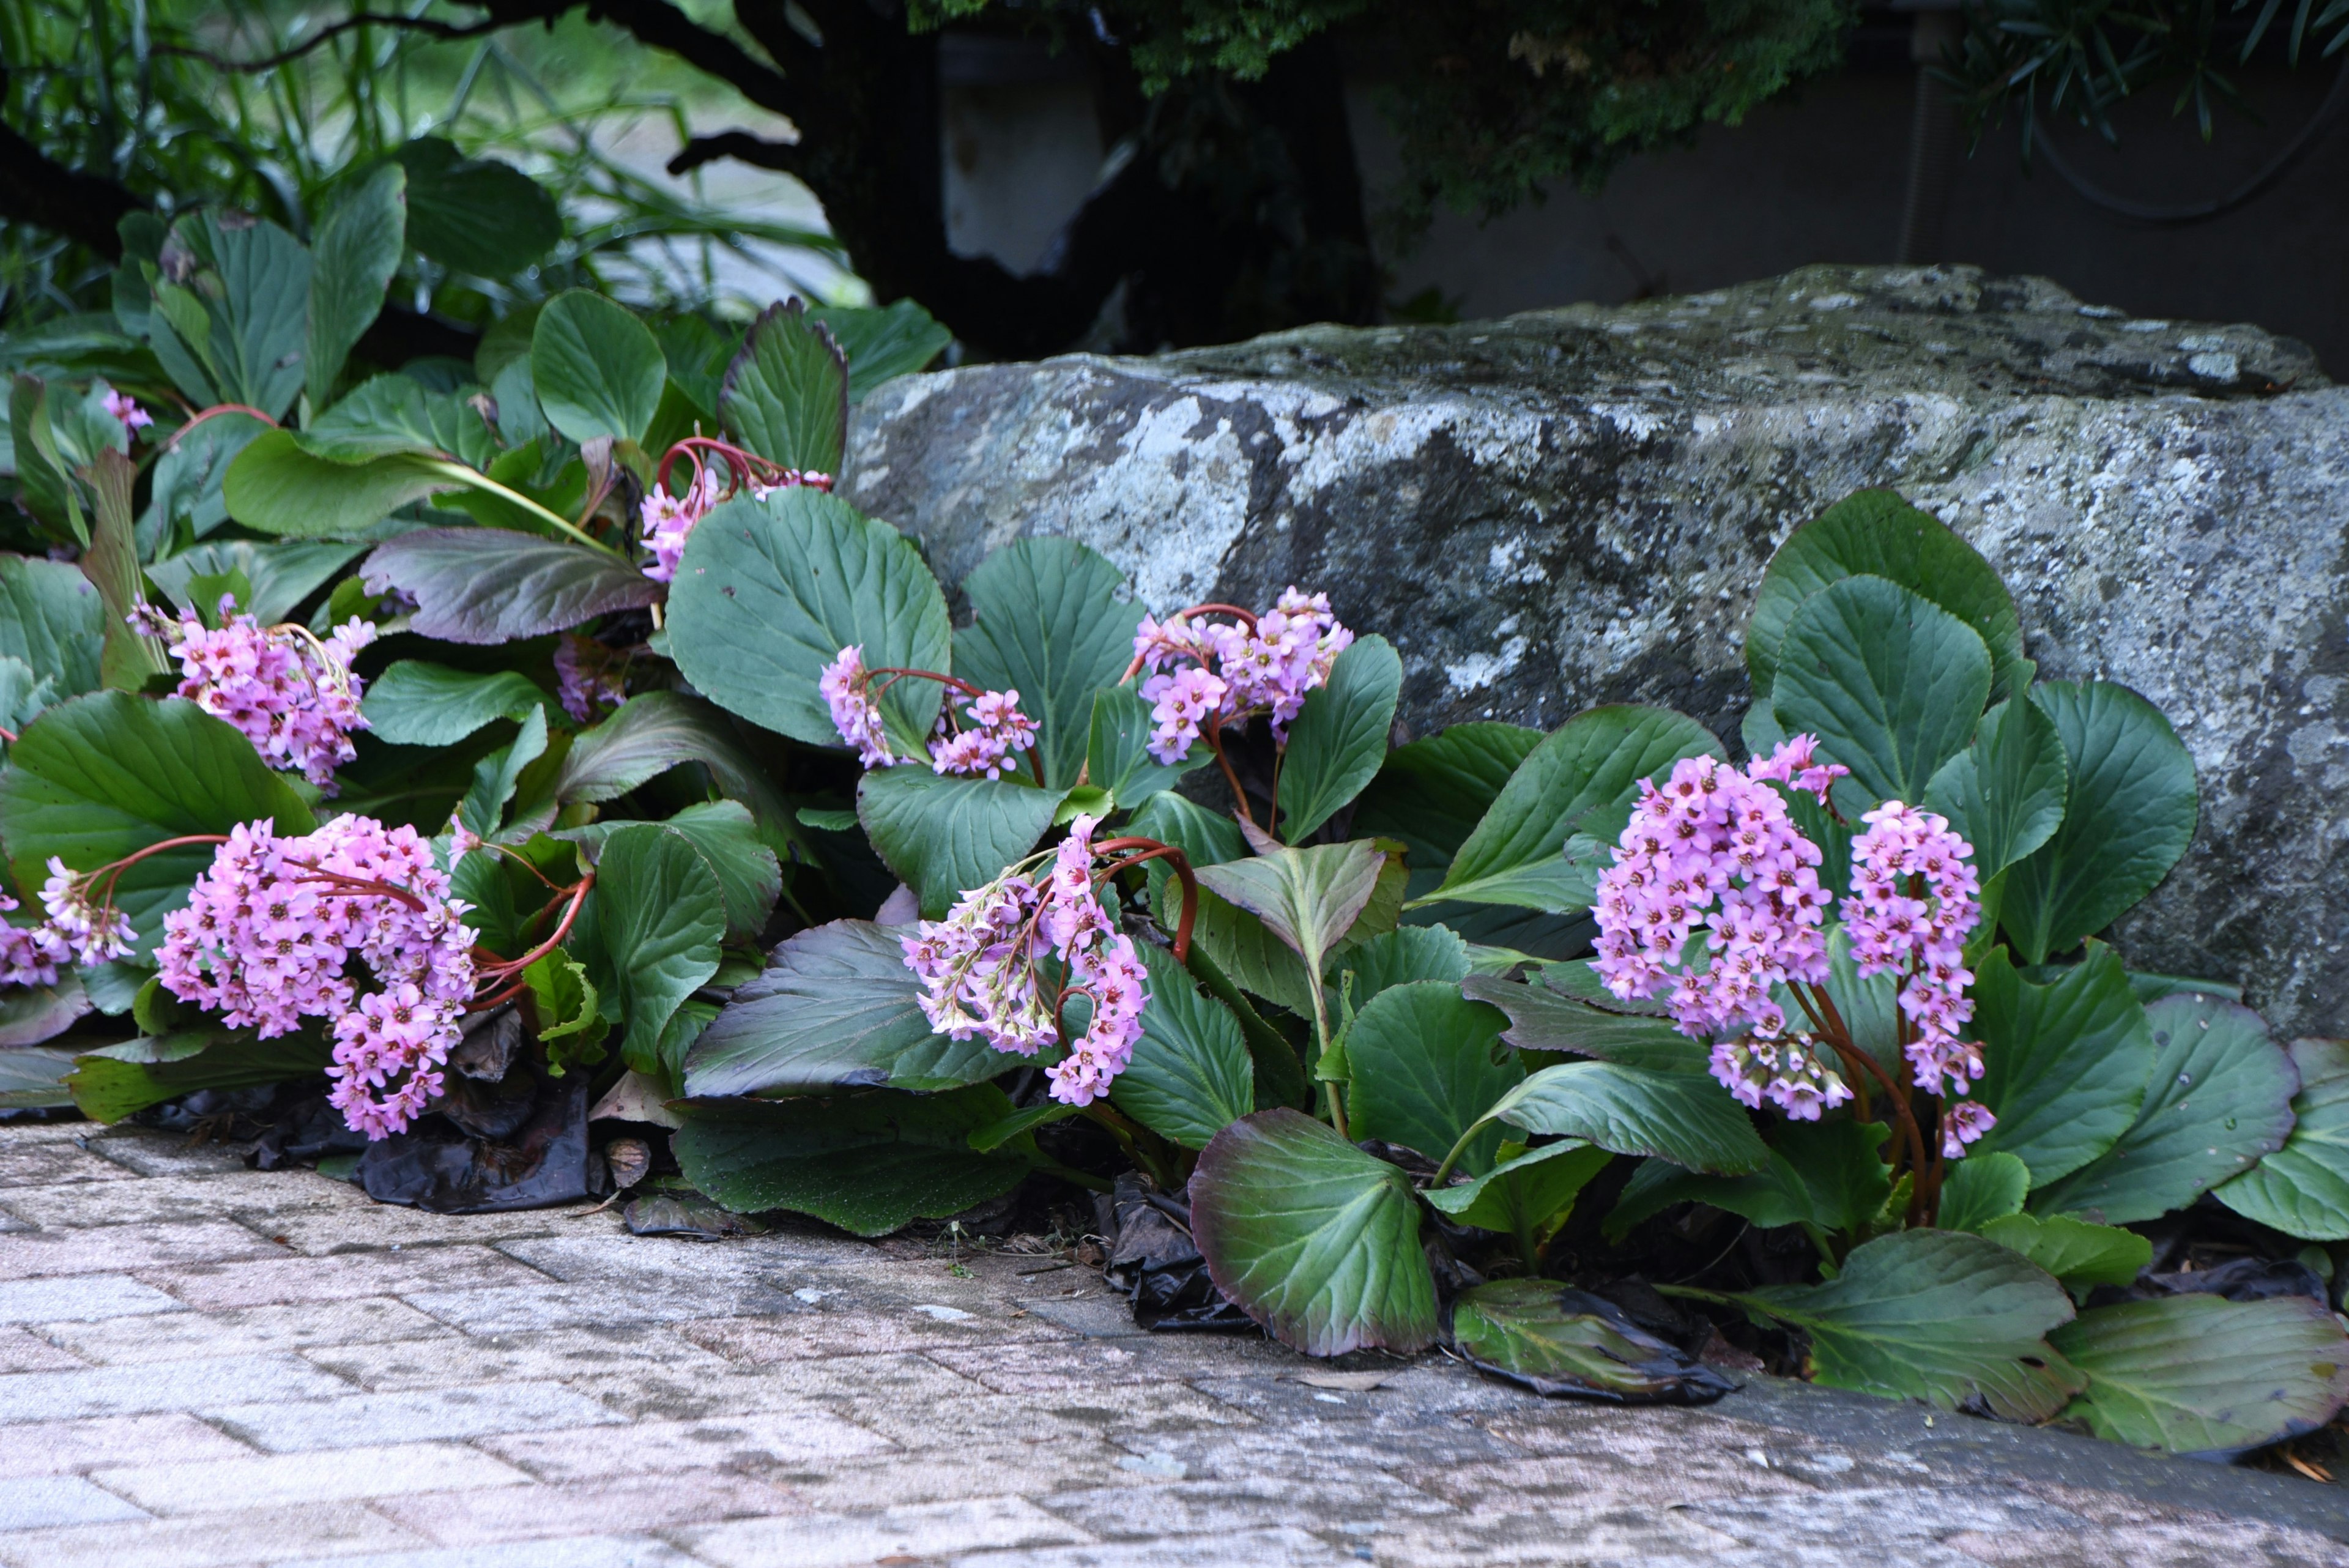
[
  {"x": 804, "y": 1399},
  {"x": 1574, "y": 507}
]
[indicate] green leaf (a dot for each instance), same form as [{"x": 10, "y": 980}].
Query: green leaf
[
  {"x": 1205, "y": 838},
  {"x": 30, "y": 1014},
  {"x": 276, "y": 486},
  {"x": 662, "y": 918},
  {"x": 597, "y": 369},
  {"x": 1891, "y": 683},
  {"x": 769, "y": 592},
  {"x": 944, "y": 835},
  {"x": 2220, "y": 1097},
  {"x": 2203, "y": 1376},
  {"x": 2128, "y": 816},
  {"x": 1555, "y": 1340},
  {"x": 1683, "y": 1118},
  {"x": 1828, "y": 1176},
  {"x": 1339, "y": 737},
  {"x": 750, "y": 876},
  {"x": 1117, "y": 755},
  {"x": 499, "y": 775},
  {"x": 786, "y": 394},
  {"x": 33, "y": 1078},
  {"x": 1432, "y": 792},
  {"x": 697, "y": 353},
  {"x": 1426, "y": 1062},
  {"x": 1938, "y": 1315},
  {"x": 2004, "y": 793},
  {"x": 869, "y": 1163},
  {"x": 656, "y": 730},
  {"x": 104, "y": 775},
  {"x": 413, "y": 703},
  {"x": 1982, "y": 1187},
  {"x": 185, "y": 492},
  {"x": 114, "y": 1081},
  {"x": 881, "y": 343},
  {"x": 2303, "y": 1189},
  {"x": 125, "y": 657},
  {"x": 565, "y": 1004},
  {"x": 1526, "y": 1195},
  {"x": 1404, "y": 954},
  {"x": 1313, "y": 1239},
  {"x": 836, "y": 1008},
  {"x": 475, "y": 215},
  {"x": 1543, "y": 1019},
  {"x": 1048, "y": 623},
  {"x": 1308, "y": 899},
  {"x": 995, "y": 1135},
  {"x": 51, "y": 618},
  {"x": 392, "y": 414},
  {"x": 2066, "y": 1063},
  {"x": 1191, "y": 1075},
  {"x": 492, "y": 585},
  {"x": 1594, "y": 761},
  {"x": 280, "y": 576},
  {"x": 355, "y": 252},
  {"x": 1876, "y": 533},
  {"x": 237, "y": 333},
  {"x": 2077, "y": 1253}
]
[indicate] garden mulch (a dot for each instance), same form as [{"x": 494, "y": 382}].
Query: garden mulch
[{"x": 204, "y": 1364}]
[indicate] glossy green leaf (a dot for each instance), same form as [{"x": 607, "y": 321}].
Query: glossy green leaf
[
  {"x": 101, "y": 776},
  {"x": 882, "y": 342},
  {"x": 114, "y": 1081},
  {"x": 567, "y": 1009},
  {"x": 1827, "y": 1176},
  {"x": 945, "y": 836},
  {"x": 235, "y": 333},
  {"x": 1191, "y": 1075},
  {"x": 1047, "y": 622},
  {"x": 1524, "y": 1195},
  {"x": 30, "y": 1014},
  {"x": 769, "y": 592},
  {"x": 1558, "y": 1341},
  {"x": 1404, "y": 954},
  {"x": 127, "y": 658},
  {"x": 836, "y": 1008},
  {"x": 2128, "y": 816},
  {"x": 785, "y": 396},
  {"x": 1982, "y": 1187},
  {"x": 184, "y": 491},
  {"x": 1426, "y": 1064},
  {"x": 1432, "y": 792},
  {"x": 354, "y": 253},
  {"x": 2075, "y": 1252},
  {"x": 475, "y": 215},
  {"x": 1938, "y": 1315},
  {"x": 1891, "y": 683},
  {"x": 2004, "y": 793},
  {"x": 413, "y": 703},
  {"x": 1339, "y": 737},
  {"x": 51, "y": 618},
  {"x": 1543, "y": 1019},
  {"x": 870, "y": 1162},
  {"x": 276, "y": 486},
  {"x": 749, "y": 877},
  {"x": 1876, "y": 533},
  {"x": 34, "y": 1078},
  {"x": 2204, "y": 1376},
  {"x": 1117, "y": 751},
  {"x": 1316, "y": 1241},
  {"x": 1594, "y": 761},
  {"x": 2303, "y": 1189},
  {"x": 662, "y": 918},
  {"x": 597, "y": 369},
  {"x": 492, "y": 585},
  {"x": 497, "y": 776},
  {"x": 281, "y": 576},
  {"x": 2219, "y": 1098},
  {"x": 2066, "y": 1063},
  {"x": 657, "y": 731},
  {"x": 1308, "y": 899},
  {"x": 392, "y": 414},
  {"x": 1682, "y": 1118}
]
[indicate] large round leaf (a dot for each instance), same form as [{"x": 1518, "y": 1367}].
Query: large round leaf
[
  {"x": 1528, "y": 1195},
  {"x": 1432, "y": 792},
  {"x": 1426, "y": 1064},
  {"x": 1191, "y": 1075},
  {"x": 662, "y": 916},
  {"x": 414, "y": 704},
  {"x": 1543, "y": 1019},
  {"x": 2004, "y": 793},
  {"x": 750, "y": 874},
  {"x": 492, "y": 585},
  {"x": 1876, "y": 533},
  {"x": 1117, "y": 749},
  {"x": 1595, "y": 760},
  {"x": 1827, "y": 1176},
  {"x": 2067, "y": 1062},
  {"x": 355, "y": 252},
  {"x": 785, "y": 396},
  {"x": 944, "y": 835},
  {"x": 598, "y": 369},
  {"x": 1938, "y": 1315},
  {"x": 2077, "y": 1252},
  {"x": 1685, "y": 1117},
  {"x": 2220, "y": 1097},
  {"x": 769, "y": 592},
  {"x": 836, "y": 1008},
  {"x": 1313, "y": 1239},
  {"x": 1555, "y": 1340},
  {"x": 1339, "y": 737},
  {"x": 2128, "y": 816},
  {"x": 51, "y": 618},
  {"x": 1400, "y": 956},
  {"x": 1047, "y": 622},
  {"x": 104, "y": 775},
  {"x": 475, "y": 215},
  {"x": 1891, "y": 684},
  {"x": 2303, "y": 1189},
  {"x": 2204, "y": 1376}
]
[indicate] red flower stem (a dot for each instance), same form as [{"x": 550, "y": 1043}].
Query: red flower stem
[
  {"x": 1239, "y": 796},
  {"x": 741, "y": 467},
  {"x": 1181, "y": 863},
  {"x": 113, "y": 871},
  {"x": 358, "y": 886},
  {"x": 7, "y": 735},
  {"x": 503, "y": 969},
  {"x": 1856, "y": 1061},
  {"x": 1246, "y": 615},
  {"x": 898, "y": 672},
  {"x": 196, "y": 420}
]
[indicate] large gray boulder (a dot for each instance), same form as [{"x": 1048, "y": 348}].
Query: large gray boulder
[{"x": 1574, "y": 507}]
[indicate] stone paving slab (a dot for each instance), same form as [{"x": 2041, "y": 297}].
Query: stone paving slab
[{"x": 204, "y": 1367}]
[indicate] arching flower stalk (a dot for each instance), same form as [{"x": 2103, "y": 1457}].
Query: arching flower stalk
[
  {"x": 977, "y": 734},
  {"x": 1715, "y": 849},
  {"x": 675, "y": 504},
  {"x": 982, "y": 967},
  {"x": 289, "y": 692}
]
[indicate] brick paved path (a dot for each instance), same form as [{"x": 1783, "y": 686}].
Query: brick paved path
[{"x": 201, "y": 1364}]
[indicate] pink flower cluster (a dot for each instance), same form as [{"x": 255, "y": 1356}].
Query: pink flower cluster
[
  {"x": 124, "y": 407},
  {"x": 291, "y": 694},
  {"x": 589, "y": 676},
  {"x": 669, "y": 520},
  {"x": 1717, "y": 848},
  {"x": 1214, "y": 672},
  {"x": 1914, "y": 900},
  {"x": 30, "y": 955},
  {"x": 91, "y": 933},
  {"x": 982, "y": 748},
  {"x": 269, "y": 933},
  {"x": 980, "y": 975},
  {"x": 1792, "y": 765}
]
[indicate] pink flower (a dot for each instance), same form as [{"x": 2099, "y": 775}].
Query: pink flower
[
  {"x": 669, "y": 522},
  {"x": 1914, "y": 900},
  {"x": 1790, "y": 763},
  {"x": 291, "y": 694},
  {"x": 846, "y": 690},
  {"x": 589, "y": 676},
  {"x": 90, "y": 934},
  {"x": 124, "y": 407},
  {"x": 1963, "y": 1123},
  {"x": 1265, "y": 669},
  {"x": 997, "y": 728}
]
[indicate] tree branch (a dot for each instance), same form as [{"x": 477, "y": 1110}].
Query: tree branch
[
  {"x": 49, "y": 195},
  {"x": 740, "y": 145},
  {"x": 438, "y": 29}
]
